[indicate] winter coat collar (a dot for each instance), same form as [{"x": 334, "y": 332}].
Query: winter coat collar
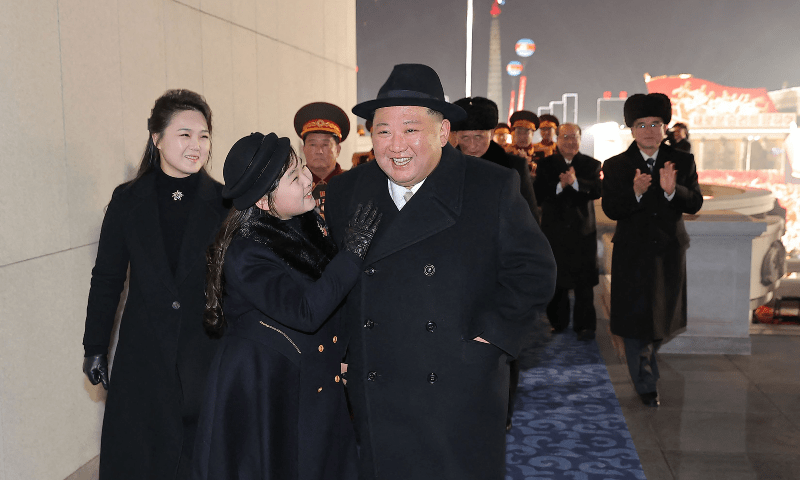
[
  {"x": 435, "y": 207},
  {"x": 308, "y": 251}
]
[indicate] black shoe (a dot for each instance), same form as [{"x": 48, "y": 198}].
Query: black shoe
[
  {"x": 650, "y": 399},
  {"x": 557, "y": 329},
  {"x": 586, "y": 335}
]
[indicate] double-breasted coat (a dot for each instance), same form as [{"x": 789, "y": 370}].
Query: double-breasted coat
[
  {"x": 463, "y": 258},
  {"x": 568, "y": 218},
  {"x": 163, "y": 354},
  {"x": 648, "y": 264},
  {"x": 274, "y": 406}
]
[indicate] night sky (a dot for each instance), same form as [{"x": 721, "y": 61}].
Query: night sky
[{"x": 584, "y": 47}]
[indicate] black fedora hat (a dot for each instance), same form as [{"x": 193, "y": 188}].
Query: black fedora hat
[
  {"x": 651, "y": 105},
  {"x": 252, "y": 166},
  {"x": 321, "y": 117},
  {"x": 411, "y": 84}
]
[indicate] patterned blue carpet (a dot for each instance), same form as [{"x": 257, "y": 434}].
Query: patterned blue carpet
[{"x": 567, "y": 421}]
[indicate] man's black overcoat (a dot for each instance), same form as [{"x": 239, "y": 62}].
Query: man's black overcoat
[
  {"x": 496, "y": 154},
  {"x": 568, "y": 218},
  {"x": 274, "y": 405},
  {"x": 648, "y": 264},
  {"x": 163, "y": 354},
  {"x": 463, "y": 258}
]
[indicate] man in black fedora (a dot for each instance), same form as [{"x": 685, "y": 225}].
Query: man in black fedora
[
  {"x": 647, "y": 189},
  {"x": 447, "y": 294}
]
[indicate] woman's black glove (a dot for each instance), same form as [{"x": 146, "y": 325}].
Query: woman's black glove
[
  {"x": 361, "y": 229},
  {"x": 96, "y": 368}
]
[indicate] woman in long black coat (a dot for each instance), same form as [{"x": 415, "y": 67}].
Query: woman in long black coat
[
  {"x": 274, "y": 406},
  {"x": 159, "y": 226}
]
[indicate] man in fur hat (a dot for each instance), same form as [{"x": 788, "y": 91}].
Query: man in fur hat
[
  {"x": 523, "y": 126},
  {"x": 323, "y": 127},
  {"x": 474, "y": 137},
  {"x": 647, "y": 189},
  {"x": 451, "y": 282}
]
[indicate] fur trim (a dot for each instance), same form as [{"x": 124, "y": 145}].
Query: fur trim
[{"x": 308, "y": 251}]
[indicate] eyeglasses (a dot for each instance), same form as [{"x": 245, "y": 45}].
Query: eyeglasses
[{"x": 642, "y": 126}]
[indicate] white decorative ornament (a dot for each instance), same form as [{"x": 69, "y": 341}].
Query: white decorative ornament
[{"x": 177, "y": 195}]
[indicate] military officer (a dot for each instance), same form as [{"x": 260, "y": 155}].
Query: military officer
[{"x": 323, "y": 127}]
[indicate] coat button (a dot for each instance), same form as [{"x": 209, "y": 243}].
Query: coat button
[
  {"x": 429, "y": 270},
  {"x": 319, "y": 389},
  {"x": 337, "y": 378},
  {"x": 371, "y": 376},
  {"x": 369, "y": 324},
  {"x": 335, "y": 339},
  {"x": 176, "y": 305},
  {"x": 432, "y": 377},
  {"x": 321, "y": 348},
  {"x": 370, "y": 271},
  {"x": 430, "y": 326}
]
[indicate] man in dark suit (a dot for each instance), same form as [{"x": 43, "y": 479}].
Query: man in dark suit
[
  {"x": 567, "y": 185},
  {"x": 647, "y": 189},
  {"x": 451, "y": 282}
]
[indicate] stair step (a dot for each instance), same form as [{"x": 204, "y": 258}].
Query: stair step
[
  {"x": 792, "y": 264},
  {"x": 789, "y": 287}
]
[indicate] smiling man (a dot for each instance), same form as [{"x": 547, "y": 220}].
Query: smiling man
[
  {"x": 647, "y": 189},
  {"x": 452, "y": 280},
  {"x": 567, "y": 184}
]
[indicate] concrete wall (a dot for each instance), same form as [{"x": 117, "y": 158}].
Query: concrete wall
[{"x": 77, "y": 81}]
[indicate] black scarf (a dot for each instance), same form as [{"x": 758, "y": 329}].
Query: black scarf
[{"x": 306, "y": 248}]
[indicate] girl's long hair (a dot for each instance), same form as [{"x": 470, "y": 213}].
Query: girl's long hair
[{"x": 213, "y": 317}]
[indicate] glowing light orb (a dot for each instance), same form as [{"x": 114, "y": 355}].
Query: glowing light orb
[
  {"x": 514, "y": 68},
  {"x": 525, "y": 47}
]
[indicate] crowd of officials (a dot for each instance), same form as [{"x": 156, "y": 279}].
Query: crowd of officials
[{"x": 306, "y": 322}]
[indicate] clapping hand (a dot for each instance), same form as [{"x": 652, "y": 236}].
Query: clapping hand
[
  {"x": 567, "y": 178},
  {"x": 667, "y": 178},
  {"x": 641, "y": 182}
]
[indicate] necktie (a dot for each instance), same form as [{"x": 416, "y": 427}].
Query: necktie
[
  {"x": 650, "y": 164},
  {"x": 407, "y": 196}
]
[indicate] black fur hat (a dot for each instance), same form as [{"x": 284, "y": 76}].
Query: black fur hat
[
  {"x": 525, "y": 119},
  {"x": 651, "y": 105},
  {"x": 481, "y": 114}
]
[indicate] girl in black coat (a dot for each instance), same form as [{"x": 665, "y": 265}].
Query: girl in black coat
[
  {"x": 158, "y": 226},
  {"x": 274, "y": 405}
]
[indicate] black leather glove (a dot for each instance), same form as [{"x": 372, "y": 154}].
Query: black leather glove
[
  {"x": 96, "y": 368},
  {"x": 361, "y": 229}
]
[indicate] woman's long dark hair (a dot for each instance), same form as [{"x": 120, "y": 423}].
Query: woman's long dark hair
[
  {"x": 166, "y": 107},
  {"x": 213, "y": 317}
]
